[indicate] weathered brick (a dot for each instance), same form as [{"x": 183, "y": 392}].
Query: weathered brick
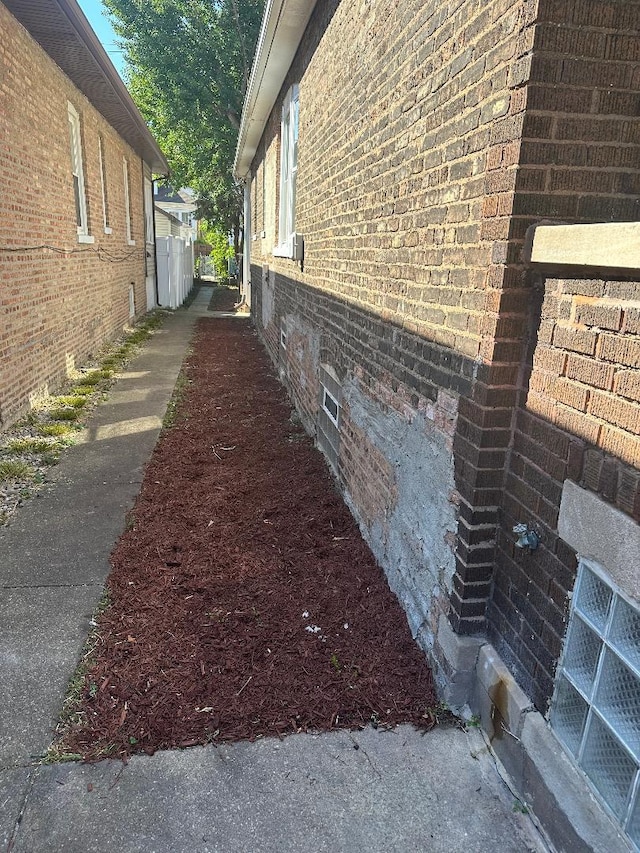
[
  {"x": 620, "y": 350},
  {"x": 575, "y": 340},
  {"x": 590, "y": 371},
  {"x": 627, "y": 384},
  {"x": 597, "y": 314},
  {"x": 619, "y": 413}
]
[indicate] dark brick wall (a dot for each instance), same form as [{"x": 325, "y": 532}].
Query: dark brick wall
[{"x": 430, "y": 140}]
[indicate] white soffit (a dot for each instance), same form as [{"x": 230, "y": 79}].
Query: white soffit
[{"x": 283, "y": 25}]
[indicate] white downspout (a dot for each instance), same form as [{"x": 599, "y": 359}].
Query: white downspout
[{"x": 246, "y": 243}]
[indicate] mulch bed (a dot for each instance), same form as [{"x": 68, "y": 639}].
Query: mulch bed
[{"x": 245, "y": 602}]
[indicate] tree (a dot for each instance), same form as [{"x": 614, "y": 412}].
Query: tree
[{"x": 188, "y": 65}]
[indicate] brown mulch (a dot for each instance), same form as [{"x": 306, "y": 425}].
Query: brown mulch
[{"x": 245, "y": 602}]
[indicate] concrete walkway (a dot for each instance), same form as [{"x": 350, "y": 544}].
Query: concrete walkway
[{"x": 365, "y": 791}]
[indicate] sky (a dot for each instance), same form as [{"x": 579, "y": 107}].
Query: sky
[{"x": 101, "y": 26}]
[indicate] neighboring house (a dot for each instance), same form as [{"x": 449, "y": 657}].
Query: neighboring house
[
  {"x": 463, "y": 372},
  {"x": 77, "y": 249},
  {"x": 167, "y": 225},
  {"x": 182, "y": 206}
]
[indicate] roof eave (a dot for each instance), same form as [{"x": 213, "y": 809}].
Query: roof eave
[
  {"x": 140, "y": 137},
  {"x": 283, "y": 25}
]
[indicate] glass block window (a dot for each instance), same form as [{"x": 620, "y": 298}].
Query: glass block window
[{"x": 596, "y": 704}]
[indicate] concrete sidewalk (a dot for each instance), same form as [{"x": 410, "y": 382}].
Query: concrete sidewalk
[{"x": 365, "y": 791}]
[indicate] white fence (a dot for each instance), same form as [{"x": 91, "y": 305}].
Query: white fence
[{"x": 175, "y": 271}]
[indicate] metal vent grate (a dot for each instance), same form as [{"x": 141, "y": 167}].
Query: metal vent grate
[{"x": 596, "y": 706}]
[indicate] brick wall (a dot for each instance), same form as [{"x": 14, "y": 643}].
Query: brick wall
[
  {"x": 580, "y": 420},
  {"x": 56, "y": 309},
  {"x": 425, "y": 152}
]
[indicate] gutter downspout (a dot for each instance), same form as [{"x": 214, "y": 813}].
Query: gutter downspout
[{"x": 246, "y": 243}]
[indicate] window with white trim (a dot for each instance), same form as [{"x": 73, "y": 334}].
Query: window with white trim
[
  {"x": 596, "y": 705},
  {"x": 148, "y": 210},
  {"x": 288, "y": 242},
  {"x": 103, "y": 184},
  {"x": 127, "y": 203},
  {"x": 77, "y": 171}
]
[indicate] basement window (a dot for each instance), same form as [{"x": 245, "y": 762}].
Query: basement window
[
  {"x": 596, "y": 705},
  {"x": 330, "y": 405},
  {"x": 328, "y": 420}
]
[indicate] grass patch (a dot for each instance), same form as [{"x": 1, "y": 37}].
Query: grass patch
[
  {"x": 94, "y": 377},
  {"x": 64, "y": 414},
  {"x": 14, "y": 470},
  {"x": 29, "y": 445},
  {"x": 82, "y": 390},
  {"x": 76, "y": 402},
  {"x": 59, "y": 429}
]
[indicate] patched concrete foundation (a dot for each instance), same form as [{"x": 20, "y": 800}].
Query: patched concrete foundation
[{"x": 414, "y": 541}]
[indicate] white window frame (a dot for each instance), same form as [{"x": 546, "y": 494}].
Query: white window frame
[
  {"x": 289, "y": 243},
  {"x": 103, "y": 185},
  {"x": 77, "y": 171},
  {"x": 148, "y": 211},
  {"x": 335, "y": 419},
  {"x": 127, "y": 202}
]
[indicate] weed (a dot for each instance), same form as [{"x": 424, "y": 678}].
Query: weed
[
  {"x": 519, "y": 807},
  {"x": 55, "y": 429},
  {"x": 94, "y": 377},
  {"x": 442, "y": 715},
  {"x": 51, "y": 458},
  {"x": 75, "y": 402},
  {"x": 64, "y": 414},
  {"x": 56, "y": 754},
  {"x": 29, "y": 445},
  {"x": 335, "y": 663},
  {"x": 82, "y": 390},
  {"x": 14, "y": 470},
  {"x": 474, "y": 722}
]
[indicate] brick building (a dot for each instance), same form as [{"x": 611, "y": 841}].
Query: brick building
[
  {"x": 77, "y": 251},
  {"x": 466, "y": 365}
]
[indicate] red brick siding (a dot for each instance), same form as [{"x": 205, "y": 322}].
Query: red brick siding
[
  {"x": 580, "y": 421},
  {"x": 579, "y": 154},
  {"x": 56, "y": 309}
]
